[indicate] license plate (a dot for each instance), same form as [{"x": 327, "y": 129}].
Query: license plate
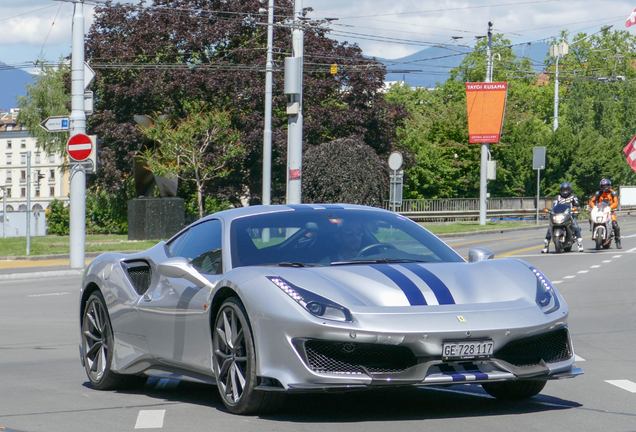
[{"x": 466, "y": 350}]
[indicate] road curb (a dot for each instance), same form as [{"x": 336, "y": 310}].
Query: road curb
[
  {"x": 59, "y": 256},
  {"x": 44, "y": 274}
]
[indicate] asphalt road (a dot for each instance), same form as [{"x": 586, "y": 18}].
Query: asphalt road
[{"x": 43, "y": 386}]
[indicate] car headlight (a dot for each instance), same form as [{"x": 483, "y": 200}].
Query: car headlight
[
  {"x": 546, "y": 297},
  {"x": 558, "y": 218},
  {"x": 313, "y": 303}
]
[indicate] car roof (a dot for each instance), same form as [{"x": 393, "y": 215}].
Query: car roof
[{"x": 260, "y": 209}]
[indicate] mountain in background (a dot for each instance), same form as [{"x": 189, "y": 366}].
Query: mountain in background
[
  {"x": 12, "y": 84},
  {"x": 432, "y": 65}
]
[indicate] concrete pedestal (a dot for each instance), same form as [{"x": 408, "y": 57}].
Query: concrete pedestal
[{"x": 155, "y": 218}]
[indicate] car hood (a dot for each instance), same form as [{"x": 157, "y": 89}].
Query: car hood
[{"x": 361, "y": 286}]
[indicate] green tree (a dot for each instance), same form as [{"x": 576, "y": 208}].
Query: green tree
[
  {"x": 198, "y": 148},
  {"x": 48, "y": 97}
]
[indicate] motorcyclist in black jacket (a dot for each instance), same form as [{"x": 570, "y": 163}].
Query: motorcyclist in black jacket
[{"x": 566, "y": 197}]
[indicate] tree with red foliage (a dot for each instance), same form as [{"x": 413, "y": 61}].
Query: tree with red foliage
[{"x": 162, "y": 57}]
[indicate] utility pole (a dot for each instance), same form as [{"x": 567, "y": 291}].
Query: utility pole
[
  {"x": 77, "y": 214},
  {"x": 267, "y": 133},
  {"x": 294, "y": 67},
  {"x": 485, "y": 147}
]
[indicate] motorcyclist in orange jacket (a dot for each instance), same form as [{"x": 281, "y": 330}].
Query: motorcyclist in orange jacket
[{"x": 609, "y": 195}]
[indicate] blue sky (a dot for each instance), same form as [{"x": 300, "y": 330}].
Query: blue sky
[{"x": 383, "y": 28}]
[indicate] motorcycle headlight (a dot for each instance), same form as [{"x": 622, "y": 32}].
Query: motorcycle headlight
[
  {"x": 599, "y": 219},
  {"x": 313, "y": 303},
  {"x": 558, "y": 218},
  {"x": 546, "y": 297}
]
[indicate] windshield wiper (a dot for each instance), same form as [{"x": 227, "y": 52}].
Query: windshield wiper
[
  {"x": 295, "y": 264},
  {"x": 377, "y": 261}
]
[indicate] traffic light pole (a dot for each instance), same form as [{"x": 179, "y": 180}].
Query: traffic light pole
[{"x": 77, "y": 209}]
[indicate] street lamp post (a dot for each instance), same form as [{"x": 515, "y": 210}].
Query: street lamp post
[{"x": 558, "y": 51}]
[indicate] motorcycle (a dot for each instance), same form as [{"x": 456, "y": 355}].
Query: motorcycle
[
  {"x": 562, "y": 227},
  {"x": 602, "y": 232}
]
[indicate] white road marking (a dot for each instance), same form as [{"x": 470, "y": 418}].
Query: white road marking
[
  {"x": 623, "y": 384},
  {"x": 165, "y": 383},
  {"x": 629, "y": 236},
  {"x": 150, "y": 419},
  {"x": 595, "y": 266},
  {"x": 583, "y": 271},
  {"x": 46, "y": 295},
  {"x": 556, "y": 282},
  {"x": 569, "y": 277},
  {"x": 577, "y": 358},
  {"x": 441, "y": 389},
  {"x": 607, "y": 261},
  {"x": 617, "y": 256}
]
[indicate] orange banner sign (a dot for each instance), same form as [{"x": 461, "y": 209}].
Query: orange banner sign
[{"x": 486, "y": 103}]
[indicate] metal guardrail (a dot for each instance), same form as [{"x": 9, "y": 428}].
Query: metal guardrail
[
  {"x": 467, "y": 209},
  {"x": 454, "y": 209}
]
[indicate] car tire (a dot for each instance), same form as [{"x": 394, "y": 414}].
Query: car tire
[
  {"x": 98, "y": 346},
  {"x": 514, "y": 390},
  {"x": 235, "y": 363}
]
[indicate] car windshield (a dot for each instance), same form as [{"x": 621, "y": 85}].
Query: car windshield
[{"x": 333, "y": 237}]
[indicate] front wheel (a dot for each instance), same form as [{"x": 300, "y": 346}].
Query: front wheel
[
  {"x": 98, "y": 348},
  {"x": 558, "y": 246},
  {"x": 599, "y": 240},
  {"x": 235, "y": 362},
  {"x": 514, "y": 390}
]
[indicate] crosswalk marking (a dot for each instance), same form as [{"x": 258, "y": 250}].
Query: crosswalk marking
[
  {"x": 607, "y": 261},
  {"x": 595, "y": 266},
  {"x": 617, "y": 256},
  {"x": 623, "y": 384},
  {"x": 583, "y": 271},
  {"x": 568, "y": 277},
  {"x": 150, "y": 419},
  {"x": 556, "y": 282}
]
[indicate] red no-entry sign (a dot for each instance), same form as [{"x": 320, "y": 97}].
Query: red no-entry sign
[{"x": 79, "y": 147}]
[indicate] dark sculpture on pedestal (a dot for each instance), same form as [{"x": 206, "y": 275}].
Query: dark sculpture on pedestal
[{"x": 151, "y": 217}]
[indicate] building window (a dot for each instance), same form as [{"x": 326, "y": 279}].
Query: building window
[
  {"x": 23, "y": 192},
  {"x": 52, "y": 158},
  {"x": 23, "y": 174},
  {"x": 52, "y": 192},
  {"x": 23, "y": 158},
  {"x": 23, "y": 144},
  {"x": 8, "y": 176},
  {"x": 52, "y": 175},
  {"x": 37, "y": 192},
  {"x": 8, "y": 144},
  {"x": 9, "y": 207},
  {"x": 22, "y": 207},
  {"x": 9, "y": 127},
  {"x": 37, "y": 207},
  {"x": 37, "y": 158},
  {"x": 8, "y": 192},
  {"x": 8, "y": 159}
]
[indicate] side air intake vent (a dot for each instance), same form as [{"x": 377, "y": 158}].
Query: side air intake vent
[{"x": 139, "y": 275}]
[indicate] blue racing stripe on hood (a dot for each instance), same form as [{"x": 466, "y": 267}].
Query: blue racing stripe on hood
[
  {"x": 411, "y": 291},
  {"x": 441, "y": 291}
]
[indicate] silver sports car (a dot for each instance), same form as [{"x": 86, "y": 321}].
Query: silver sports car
[{"x": 265, "y": 301}]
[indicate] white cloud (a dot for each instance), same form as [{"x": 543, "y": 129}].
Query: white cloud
[{"x": 26, "y": 23}]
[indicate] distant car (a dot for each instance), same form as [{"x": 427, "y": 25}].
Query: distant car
[{"x": 269, "y": 300}]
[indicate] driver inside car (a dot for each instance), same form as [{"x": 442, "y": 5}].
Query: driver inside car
[{"x": 348, "y": 238}]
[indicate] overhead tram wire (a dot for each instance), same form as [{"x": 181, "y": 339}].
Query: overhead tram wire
[{"x": 26, "y": 13}]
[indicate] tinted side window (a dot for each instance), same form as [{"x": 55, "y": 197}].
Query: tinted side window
[
  {"x": 174, "y": 244},
  {"x": 202, "y": 247}
]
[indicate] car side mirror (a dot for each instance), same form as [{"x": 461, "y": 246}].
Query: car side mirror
[
  {"x": 479, "y": 254},
  {"x": 179, "y": 267}
]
